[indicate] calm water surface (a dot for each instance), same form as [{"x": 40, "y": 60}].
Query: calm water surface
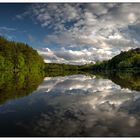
[{"x": 76, "y": 105}]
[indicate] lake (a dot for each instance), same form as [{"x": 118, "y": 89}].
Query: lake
[{"x": 72, "y": 105}]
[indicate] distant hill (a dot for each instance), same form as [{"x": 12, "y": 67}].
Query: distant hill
[
  {"x": 16, "y": 56},
  {"x": 127, "y": 60}
]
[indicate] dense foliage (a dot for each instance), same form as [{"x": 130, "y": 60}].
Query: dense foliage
[
  {"x": 127, "y": 60},
  {"x": 55, "y": 69},
  {"x": 17, "y": 56},
  {"x": 60, "y": 67}
]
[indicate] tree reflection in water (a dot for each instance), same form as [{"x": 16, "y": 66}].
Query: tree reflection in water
[
  {"x": 16, "y": 85},
  {"x": 74, "y": 105}
]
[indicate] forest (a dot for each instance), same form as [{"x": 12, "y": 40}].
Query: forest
[
  {"x": 16, "y": 56},
  {"x": 125, "y": 61}
]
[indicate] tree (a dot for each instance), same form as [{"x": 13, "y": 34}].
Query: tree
[{"x": 18, "y": 56}]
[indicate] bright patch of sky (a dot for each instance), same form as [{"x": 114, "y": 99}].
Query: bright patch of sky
[{"x": 73, "y": 33}]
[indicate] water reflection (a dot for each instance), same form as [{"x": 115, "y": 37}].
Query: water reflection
[
  {"x": 16, "y": 85},
  {"x": 126, "y": 80},
  {"x": 85, "y": 106},
  {"x": 75, "y": 105}
]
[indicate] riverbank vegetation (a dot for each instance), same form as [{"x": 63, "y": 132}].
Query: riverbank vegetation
[
  {"x": 125, "y": 61},
  {"x": 16, "y": 56}
]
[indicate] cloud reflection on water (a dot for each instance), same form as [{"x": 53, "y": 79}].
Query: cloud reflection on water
[{"x": 83, "y": 106}]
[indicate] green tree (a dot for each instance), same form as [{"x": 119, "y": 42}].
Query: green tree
[{"x": 18, "y": 56}]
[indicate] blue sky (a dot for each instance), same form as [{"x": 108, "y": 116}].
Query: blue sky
[
  {"x": 73, "y": 33},
  {"x": 25, "y": 30}
]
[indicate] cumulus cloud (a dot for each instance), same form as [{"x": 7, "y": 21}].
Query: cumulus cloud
[
  {"x": 70, "y": 56},
  {"x": 98, "y": 26}
]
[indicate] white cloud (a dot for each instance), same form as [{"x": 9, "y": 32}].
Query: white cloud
[
  {"x": 70, "y": 56},
  {"x": 7, "y": 29},
  {"x": 98, "y": 26}
]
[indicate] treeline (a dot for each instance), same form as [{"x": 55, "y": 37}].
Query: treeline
[
  {"x": 15, "y": 56},
  {"x": 60, "y": 67},
  {"x": 127, "y": 60}
]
